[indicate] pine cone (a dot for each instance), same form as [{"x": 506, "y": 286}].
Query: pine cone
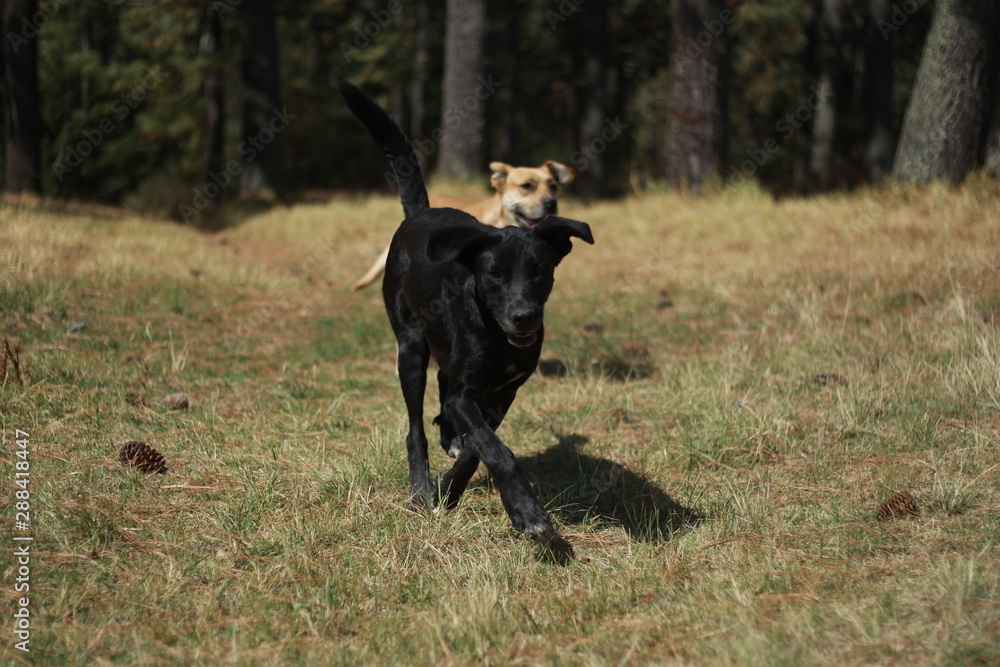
[
  {"x": 135, "y": 399},
  {"x": 898, "y": 505},
  {"x": 142, "y": 456},
  {"x": 829, "y": 380}
]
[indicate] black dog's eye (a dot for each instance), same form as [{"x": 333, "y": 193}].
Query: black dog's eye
[
  {"x": 542, "y": 270},
  {"x": 494, "y": 276}
]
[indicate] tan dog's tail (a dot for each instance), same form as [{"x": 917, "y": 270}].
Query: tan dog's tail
[{"x": 374, "y": 273}]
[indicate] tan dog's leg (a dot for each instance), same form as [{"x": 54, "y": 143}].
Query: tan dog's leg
[{"x": 374, "y": 273}]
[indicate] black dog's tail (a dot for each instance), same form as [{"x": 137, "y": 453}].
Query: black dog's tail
[{"x": 395, "y": 145}]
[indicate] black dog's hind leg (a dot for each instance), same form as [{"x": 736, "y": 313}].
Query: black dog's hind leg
[
  {"x": 451, "y": 442},
  {"x": 454, "y": 482},
  {"x": 414, "y": 353}
]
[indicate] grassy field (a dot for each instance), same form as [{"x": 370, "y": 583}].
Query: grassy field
[{"x": 731, "y": 387}]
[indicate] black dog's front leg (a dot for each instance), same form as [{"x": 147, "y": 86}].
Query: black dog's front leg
[
  {"x": 454, "y": 481},
  {"x": 480, "y": 442}
]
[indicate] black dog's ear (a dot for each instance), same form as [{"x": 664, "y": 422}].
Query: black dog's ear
[
  {"x": 558, "y": 232},
  {"x": 461, "y": 243}
]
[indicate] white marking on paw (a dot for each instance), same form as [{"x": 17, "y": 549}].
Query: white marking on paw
[{"x": 537, "y": 530}]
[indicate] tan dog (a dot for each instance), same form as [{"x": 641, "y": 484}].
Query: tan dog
[{"x": 524, "y": 195}]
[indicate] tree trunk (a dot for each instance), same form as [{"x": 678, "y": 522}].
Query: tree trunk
[
  {"x": 692, "y": 123},
  {"x": 466, "y": 90},
  {"x": 825, "y": 116},
  {"x": 421, "y": 58},
  {"x": 992, "y": 156},
  {"x": 802, "y": 179},
  {"x": 506, "y": 59},
  {"x": 397, "y": 90},
  {"x": 264, "y": 118},
  {"x": 22, "y": 120},
  {"x": 593, "y": 112},
  {"x": 945, "y": 130},
  {"x": 878, "y": 93},
  {"x": 215, "y": 131}
]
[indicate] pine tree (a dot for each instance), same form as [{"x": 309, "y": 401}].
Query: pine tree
[
  {"x": 22, "y": 115},
  {"x": 945, "y": 131},
  {"x": 264, "y": 117},
  {"x": 692, "y": 123},
  {"x": 465, "y": 90}
]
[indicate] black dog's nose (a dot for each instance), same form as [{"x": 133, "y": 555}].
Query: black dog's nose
[
  {"x": 524, "y": 317},
  {"x": 550, "y": 205}
]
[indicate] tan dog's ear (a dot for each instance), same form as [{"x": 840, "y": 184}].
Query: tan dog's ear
[
  {"x": 560, "y": 172},
  {"x": 499, "y": 175}
]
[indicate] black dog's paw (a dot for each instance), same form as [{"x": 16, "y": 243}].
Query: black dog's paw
[
  {"x": 426, "y": 498},
  {"x": 452, "y": 444},
  {"x": 419, "y": 504},
  {"x": 551, "y": 547},
  {"x": 555, "y": 550}
]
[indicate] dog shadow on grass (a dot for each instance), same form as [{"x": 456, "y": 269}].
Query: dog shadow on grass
[{"x": 585, "y": 489}]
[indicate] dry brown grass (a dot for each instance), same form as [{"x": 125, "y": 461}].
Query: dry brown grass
[{"x": 801, "y": 361}]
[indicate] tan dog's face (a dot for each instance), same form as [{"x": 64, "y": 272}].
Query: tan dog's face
[{"x": 529, "y": 193}]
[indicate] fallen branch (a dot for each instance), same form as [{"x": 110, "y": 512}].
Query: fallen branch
[{"x": 12, "y": 355}]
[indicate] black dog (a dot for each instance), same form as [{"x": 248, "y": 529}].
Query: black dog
[{"x": 472, "y": 297}]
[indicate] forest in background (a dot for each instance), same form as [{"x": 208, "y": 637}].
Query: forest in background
[{"x": 153, "y": 106}]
